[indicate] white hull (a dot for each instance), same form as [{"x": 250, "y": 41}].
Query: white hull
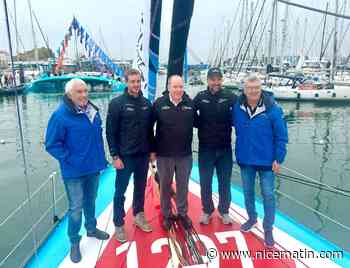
[{"x": 339, "y": 93}]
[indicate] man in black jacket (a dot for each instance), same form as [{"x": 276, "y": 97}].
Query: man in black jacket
[
  {"x": 129, "y": 134},
  {"x": 214, "y": 135},
  {"x": 174, "y": 115}
]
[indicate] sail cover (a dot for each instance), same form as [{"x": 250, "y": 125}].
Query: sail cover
[
  {"x": 147, "y": 47},
  {"x": 182, "y": 14}
]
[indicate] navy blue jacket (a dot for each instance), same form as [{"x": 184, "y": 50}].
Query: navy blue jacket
[
  {"x": 75, "y": 142},
  {"x": 129, "y": 128},
  {"x": 174, "y": 131},
  {"x": 262, "y": 139},
  {"x": 214, "y": 119}
]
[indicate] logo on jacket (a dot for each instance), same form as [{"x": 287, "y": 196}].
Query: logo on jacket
[
  {"x": 206, "y": 101},
  {"x": 222, "y": 100},
  {"x": 130, "y": 109},
  {"x": 186, "y": 108},
  {"x": 165, "y": 108}
]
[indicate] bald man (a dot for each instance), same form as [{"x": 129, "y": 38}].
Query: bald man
[
  {"x": 174, "y": 116},
  {"x": 74, "y": 138}
]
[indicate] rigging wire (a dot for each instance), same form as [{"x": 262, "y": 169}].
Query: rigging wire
[
  {"x": 26, "y": 179},
  {"x": 251, "y": 37}
]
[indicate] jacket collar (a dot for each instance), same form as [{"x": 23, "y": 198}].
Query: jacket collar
[
  {"x": 214, "y": 94},
  {"x": 70, "y": 106},
  {"x": 185, "y": 98},
  {"x": 126, "y": 93},
  {"x": 266, "y": 98}
]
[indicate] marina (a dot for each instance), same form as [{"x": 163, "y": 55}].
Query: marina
[{"x": 296, "y": 50}]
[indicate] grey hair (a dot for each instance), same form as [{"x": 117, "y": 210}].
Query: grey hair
[
  {"x": 252, "y": 78},
  {"x": 71, "y": 83}
]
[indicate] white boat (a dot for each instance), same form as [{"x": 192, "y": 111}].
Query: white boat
[
  {"x": 339, "y": 93},
  {"x": 299, "y": 89}
]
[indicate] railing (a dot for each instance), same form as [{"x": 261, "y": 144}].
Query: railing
[{"x": 52, "y": 208}]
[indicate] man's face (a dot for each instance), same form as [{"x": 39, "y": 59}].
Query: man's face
[
  {"x": 252, "y": 89},
  {"x": 134, "y": 84},
  {"x": 176, "y": 88},
  {"x": 215, "y": 83},
  {"x": 79, "y": 94}
]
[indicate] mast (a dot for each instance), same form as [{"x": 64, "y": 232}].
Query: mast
[
  {"x": 296, "y": 39},
  {"x": 269, "y": 56},
  {"x": 304, "y": 36},
  {"x": 46, "y": 41},
  {"x": 284, "y": 33},
  {"x": 36, "y": 55},
  {"x": 241, "y": 27},
  {"x": 275, "y": 35},
  {"x": 251, "y": 18},
  {"x": 323, "y": 31},
  {"x": 334, "y": 61},
  {"x": 16, "y": 29}
]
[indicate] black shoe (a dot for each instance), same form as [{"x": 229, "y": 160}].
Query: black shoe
[
  {"x": 75, "y": 255},
  {"x": 186, "y": 221},
  {"x": 98, "y": 234}
]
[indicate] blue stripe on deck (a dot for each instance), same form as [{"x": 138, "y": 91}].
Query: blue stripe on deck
[{"x": 56, "y": 247}]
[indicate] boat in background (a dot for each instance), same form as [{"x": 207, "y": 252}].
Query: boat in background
[
  {"x": 301, "y": 88},
  {"x": 55, "y": 84},
  {"x": 214, "y": 245},
  {"x": 10, "y": 91}
]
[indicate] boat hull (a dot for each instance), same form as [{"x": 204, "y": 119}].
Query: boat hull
[
  {"x": 339, "y": 94},
  {"x": 152, "y": 250}
]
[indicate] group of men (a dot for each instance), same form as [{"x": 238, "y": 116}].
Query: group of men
[{"x": 74, "y": 138}]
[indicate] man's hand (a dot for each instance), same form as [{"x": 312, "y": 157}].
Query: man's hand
[
  {"x": 118, "y": 163},
  {"x": 152, "y": 157},
  {"x": 276, "y": 167}
]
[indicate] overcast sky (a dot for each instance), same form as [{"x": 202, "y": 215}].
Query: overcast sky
[{"x": 117, "y": 21}]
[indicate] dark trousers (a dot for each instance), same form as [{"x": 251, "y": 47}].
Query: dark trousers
[
  {"x": 138, "y": 166},
  {"x": 81, "y": 193},
  {"x": 208, "y": 160},
  {"x": 167, "y": 166}
]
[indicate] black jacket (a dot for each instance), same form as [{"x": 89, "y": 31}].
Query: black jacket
[
  {"x": 174, "y": 129},
  {"x": 215, "y": 118},
  {"x": 129, "y": 128}
]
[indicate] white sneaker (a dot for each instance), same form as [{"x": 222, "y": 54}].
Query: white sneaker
[
  {"x": 141, "y": 222},
  {"x": 205, "y": 218},
  {"x": 226, "y": 219}
]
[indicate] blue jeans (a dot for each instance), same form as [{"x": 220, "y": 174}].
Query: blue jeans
[
  {"x": 267, "y": 185},
  {"x": 81, "y": 193},
  {"x": 208, "y": 160},
  {"x": 139, "y": 166}
]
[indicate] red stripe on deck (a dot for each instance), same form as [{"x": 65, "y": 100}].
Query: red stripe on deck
[{"x": 139, "y": 251}]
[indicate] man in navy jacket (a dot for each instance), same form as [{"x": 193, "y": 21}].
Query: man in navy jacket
[
  {"x": 129, "y": 133},
  {"x": 261, "y": 138},
  {"x": 74, "y": 138},
  {"x": 214, "y": 106}
]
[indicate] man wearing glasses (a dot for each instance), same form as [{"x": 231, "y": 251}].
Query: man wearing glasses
[{"x": 261, "y": 138}]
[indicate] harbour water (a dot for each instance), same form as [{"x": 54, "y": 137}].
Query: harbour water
[{"x": 319, "y": 148}]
